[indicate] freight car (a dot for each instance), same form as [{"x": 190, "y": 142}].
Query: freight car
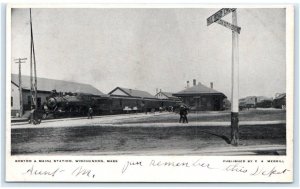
[{"x": 77, "y": 104}]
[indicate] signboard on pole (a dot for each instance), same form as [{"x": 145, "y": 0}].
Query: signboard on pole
[
  {"x": 218, "y": 15},
  {"x": 226, "y": 24},
  {"x": 235, "y": 65}
]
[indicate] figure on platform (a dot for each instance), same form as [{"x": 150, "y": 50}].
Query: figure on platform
[
  {"x": 185, "y": 113},
  {"x": 181, "y": 111},
  {"x": 90, "y": 113}
]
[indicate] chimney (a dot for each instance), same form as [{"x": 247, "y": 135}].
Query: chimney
[
  {"x": 187, "y": 84},
  {"x": 130, "y": 91},
  {"x": 159, "y": 90},
  {"x": 211, "y": 85},
  {"x": 194, "y": 82}
]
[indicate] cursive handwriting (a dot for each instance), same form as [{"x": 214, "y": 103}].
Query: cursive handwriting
[
  {"x": 33, "y": 171},
  {"x": 154, "y": 163},
  {"x": 197, "y": 163},
  {"x": 80, "y": 171},
  {"x": 236, "y": 168},
  {"x": 261, "y": 171},
  {"x": 131, "y": 163}
]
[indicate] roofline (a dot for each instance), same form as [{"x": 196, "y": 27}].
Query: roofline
[
  {"x": 59, "y": 80},
  {"x": 121, "y": 90},
  {"x": 188, "y": 94},
  {"x": 148, "y": 98},
  {"x": 24, "y": 89},
  {"x": 172, "y": 94},
  {"x": 56, "y": 80},
  {"x": 121, "y": 96},
  {"x": 130, "y": 94}
]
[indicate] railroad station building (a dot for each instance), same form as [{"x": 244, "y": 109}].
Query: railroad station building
[
  {"x": 130, "y": 93},
  {"x": 166, "y": 95},
  {"x": 132, "y": 99},
  {"x": 45, "y": 87},
  {"x": 202, "y": 98}
]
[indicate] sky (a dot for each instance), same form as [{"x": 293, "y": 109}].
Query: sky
[{"x": 149, "y": 49}]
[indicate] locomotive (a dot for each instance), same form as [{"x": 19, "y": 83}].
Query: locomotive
[{"x": 77, "y": 104}]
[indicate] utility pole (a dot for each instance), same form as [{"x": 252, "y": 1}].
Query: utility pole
[
  {"x": 20, "y": 61},
  {"x": 235, "y": 84},
  {"x": 33, "y": 76},
  {"x": 235, "y": 66},
  {"x": 33, "y": 81}
]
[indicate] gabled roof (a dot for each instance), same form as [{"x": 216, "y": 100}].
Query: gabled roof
[
  {"x": 280, "y": 95},
  {"x": 133, "y": 92},
  {"x": 45, "y": 84},
  {"x": 197, "y": 89},
  {"x": 167, "y": 94}
]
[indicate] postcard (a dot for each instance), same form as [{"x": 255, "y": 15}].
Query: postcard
[{"x": 149, "y": 93}]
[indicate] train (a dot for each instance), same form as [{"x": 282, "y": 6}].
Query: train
[{"x": 77, "y": 104}]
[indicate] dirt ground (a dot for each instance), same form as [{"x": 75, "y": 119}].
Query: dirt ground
[
  {"x": 160, "y": 135},
  {"x": 224, "y": 116}
]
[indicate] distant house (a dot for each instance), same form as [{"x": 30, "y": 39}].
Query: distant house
[
  {"x": 247, "y": 102},
  {"x": 255, "y": 102},
  {"x": 45, "y": 87},
  {"x": 166, "y": 95},
  {"x": 280, "y": 101},
  {"x": 133, "y": 99},
  {"x": 130, "y": 93},
  {"x": 202, "y": 98}
]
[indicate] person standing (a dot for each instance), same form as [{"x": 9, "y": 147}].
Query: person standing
[
  {"x": 90, "y": 113},
  {"x": 185, "y": 113},
  {"x": 181, "y": 112}
]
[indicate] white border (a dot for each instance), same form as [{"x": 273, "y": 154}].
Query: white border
[{"x": 11, "y": 168}]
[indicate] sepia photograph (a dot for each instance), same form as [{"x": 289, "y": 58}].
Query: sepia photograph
[{"x": 149, "y": 81}]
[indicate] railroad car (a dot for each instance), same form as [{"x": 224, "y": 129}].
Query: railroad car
[{"x": 77, "y": 104}]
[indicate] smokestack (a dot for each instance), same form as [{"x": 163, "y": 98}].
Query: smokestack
[
  {"x": 187, "y": 84},
  {"x": 159, "y": 90},
  {"x": 211, "y": 85},
  {"x": 194, "y": 82}
]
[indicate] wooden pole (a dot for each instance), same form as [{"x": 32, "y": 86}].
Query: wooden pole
[
  {"x": 31, "y": 84},
  {"x": 33, "y": 69},
  {"x": 20, "y": 90},
  {"x": 20, "y": 84},
  {"x": 235, "y": 84}
]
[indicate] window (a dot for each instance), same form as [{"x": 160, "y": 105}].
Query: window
[{"x": 11, "y": 101}]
